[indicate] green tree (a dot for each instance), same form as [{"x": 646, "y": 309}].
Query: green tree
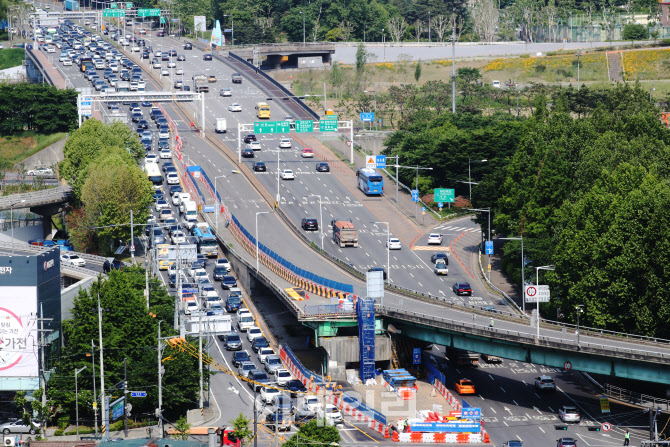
[
  {"x": 241, "y": 428},
  {"x": 361, "y": 60},
  {"x": 635, "y": 32},
  {"x": 315, "y": 432},
  {"x": 469, "y": 75},
  {"x": 183, "y": 428},
  {"x": 417, "y": 71}
]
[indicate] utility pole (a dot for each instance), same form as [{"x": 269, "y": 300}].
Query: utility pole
[
  {"x": 105, "y": 410},
  {"x": 43, "y": 368},
  {"x": 132, "y": 240},
  {"x": 125, "y": 395},
  {"x": 200, "y": 359},
  {"x": 95, "y": 394},
  {"x": 159, "y": 411},
  {"x": 453, "y": 71}
]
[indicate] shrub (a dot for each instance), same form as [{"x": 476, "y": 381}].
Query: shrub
[
  {"x": 540, "y": 68},
  {"x": 63, "y": 422},
  {"x": 635, "y": 32},
  {"x": 665, "y": 42}
]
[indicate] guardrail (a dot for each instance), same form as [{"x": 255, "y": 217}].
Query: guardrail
[
  {"x": 634, "y": 398},
  {"x": 286, "y": 91},
  {"x": 529, "y": 339},
  {"x": 49, "y": 195},
  {"x": 8, "y": 224},
  {"x": 36, "y": 249}
]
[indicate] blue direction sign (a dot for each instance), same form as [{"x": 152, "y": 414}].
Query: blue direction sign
[
  {"x": 117, "y": 410},
  {"x": 415, "y": 195},
  {"x": 440, "y": 205},
  {"x": 488, "y": 247},
  {"x": 380, "y": 161},
  {"x": 367, "y": 116},
  {"x": 138, "y": 394},
  {"x": 416, "y": 356}
]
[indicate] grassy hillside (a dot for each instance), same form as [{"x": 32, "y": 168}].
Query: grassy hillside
[
  {"x": 15, "y": 148},
  {"x": 11, "y": 57}
]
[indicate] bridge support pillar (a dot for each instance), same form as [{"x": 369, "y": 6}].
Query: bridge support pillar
[
  {"x": 46, "y": 211},
  {"x": 275, "y": 61}
]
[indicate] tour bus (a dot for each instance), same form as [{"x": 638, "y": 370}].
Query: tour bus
[
  {"x": 206, "y": 241},
  {"x": 370, "y": 182},
  {"x": 154, "y": 173},
  {"x": 262, "y": 110}
]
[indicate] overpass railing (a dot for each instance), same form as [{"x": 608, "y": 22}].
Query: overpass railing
[
  {"x": 36, "y": 249},
  {"x": 530, "y": 339},
  {"x": 634, "y": 398},
  {"x": 7, "y": 224},
  {"x": 50, "y": 195}
]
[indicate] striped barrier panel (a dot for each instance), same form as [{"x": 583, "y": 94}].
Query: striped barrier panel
[
  {"x": 451, "y": 400},
  {"x": 440, "y": 438}
]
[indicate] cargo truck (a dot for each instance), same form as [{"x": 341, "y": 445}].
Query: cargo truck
[
  {"x": 220, "y": 125},
  {"x": 200, "y": 83},
  {"x": 344, "y": 232},
  {"x": 72, "y": 5}
]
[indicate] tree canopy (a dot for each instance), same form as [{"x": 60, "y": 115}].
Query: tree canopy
[{"x": 38, "y": 107}]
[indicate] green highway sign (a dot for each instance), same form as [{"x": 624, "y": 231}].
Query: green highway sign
[
  {"x": 329, "y": 125},
  {"x": 331, "y": 117},
  {"x": 148, "y": 12},
  {"x": 304, "y": 126},
  {"x": 129, "y": 5},
  {"x": 272, "y": 127},
  {"x": 443, "y": 195},
  {"x": 113, "y": 6},
  {"x": 113, "y": 13},
  {"x": 162, "y": 20}
]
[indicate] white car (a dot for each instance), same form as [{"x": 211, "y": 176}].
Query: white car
[
  {"x": 72, "y": 259},
  {"x": 151, "y": 158},
  {"x": 223, "y": 262},
  {"x": 67, "y": 62},
  {"x": 156, "y": 65},
  {"x": 255, "y": 145},
  {"x": 435, "y": 239},
  {"x": 165, "y": 72},
  {"x": 569, "y": 414},
  {"x": 282, "y": 376},
  {"x": 165, "y": 214},
  {"x": 310, "y": 404},
  {"x": 332, "y": 415},
  {"x": 178, "y": 237},
  {"x": 51, "y": 49},
  {"x": 135, "y": 49},
  {"x": 287, "y": 174},
  {"x": 172, "y": 64},
  {"x": 43, "y": 172},
  {"x": 173, "y": 178},
  {"x": 264, "y": 352},
  {"x": 394, "y": 244},
  {"x": 285, "y": 143},
  {"x": 254, "y": 332},
  {"x": 235, "y": 108},
  {"x": 161, "y": 204},
  {"x": 191, "y": 307},
  {"x": 226, "y": 92},
  {"x": 268, "y": 394},
  {"x": 180, "y": 71},
  {"x": 165, "y": 153}
]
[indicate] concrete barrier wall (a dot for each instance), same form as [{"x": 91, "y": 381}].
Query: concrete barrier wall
[{"x": 23, "y": 234}]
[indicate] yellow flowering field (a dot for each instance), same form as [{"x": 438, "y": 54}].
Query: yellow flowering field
[
  {"x": 646, "y": 64},
  {"x": 593, "y": 67}
]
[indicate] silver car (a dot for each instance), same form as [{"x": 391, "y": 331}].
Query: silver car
[
  {"x": 569, "y": 414},
  {"x": 273, "y": 363},
  {"x": 19, "y": 427}
]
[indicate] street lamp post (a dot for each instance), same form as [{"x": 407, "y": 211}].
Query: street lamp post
[
  {"x": 76, "y": 395},
  {"x": 320, "y": 216},
  {"x": 11, "y": 220},
  {"x": 257, "y": 214},
  {"x": 429, "y": 39},
  {"x": 488, "y": 210},
  {"x": 216, "y": 200},
  {"x": 388, "y": 249},
  {"x": 278, "y": 196},
  {"x": 579, "y": 55},
  {"x": 537, "y": 302},
  {"x": 579, "y": 310},
  {"x": 396, "y": 166},
  {"x": 375, "y": 94},
  {"x": 384, "y": 43},
  {"x": 232, "y": 28},
  {"x": 303, "y": 27},
  {"x": 470, "y": 177},
  {"x": 159, "y": 412}
]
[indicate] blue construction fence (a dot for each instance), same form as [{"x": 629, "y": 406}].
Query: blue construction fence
[
  {"x": 211, "y": 185},
  {"x": 433, "y": 372},
  {"x": 194, "y": 173},
  {"x": 325, "y": 282},
  {"x": 347, "y": 398}
]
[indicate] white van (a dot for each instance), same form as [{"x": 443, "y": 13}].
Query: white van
[
  {"x": 178, "y": 197},
  {"x": 245, "y": 321}
]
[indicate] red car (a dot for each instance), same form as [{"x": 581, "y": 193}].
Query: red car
[{"x": 462, "y": 288}]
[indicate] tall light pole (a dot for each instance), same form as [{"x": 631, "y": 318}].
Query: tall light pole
[
  {"x": 523, "y": 277},
  {"x": 537, "y": 302},
  {"x": 487, "y": 210},
  {"x": 470, "y": 177},
  {"x": 232, "y": 28},
  {"x": 105, "y": 413},
  {"x": 375, "y": 94},
  {"x": 453, "y": 71},
  {"x": 218, "y": 205},
  {"x": 76, "y": 395},
  {"x": 11, "y": 220},
  {"x": 579, "y": 310},
  {"x": 278, "y": 196},
  {"x": 303, "y": 27},
  {"x": 257, "y": 214},
  {"x": 388, "y": 249},
  {"x": 320, "y": 216},
  {"x": 384, "y": 43},
  {"x": 429, "y": 39},
  {"x": 159, "y": 411},
  {"x": 578, "y": 64}
]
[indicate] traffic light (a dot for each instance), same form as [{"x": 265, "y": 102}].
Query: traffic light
[
  {"x": 594, "y": 428},
  {"x": 561, "y": 427}
]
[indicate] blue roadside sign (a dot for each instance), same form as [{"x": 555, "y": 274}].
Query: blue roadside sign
[
  {"x": 416, "y": 356},
  {"x": 488, "y": 247},
  {"x": 415, "y": 195},
  {"x": 138, "y": 394},
  {"x": 367, "y": 116},
  {"x": 440, "y": 205},
  {"x": 380, "y": 161}
]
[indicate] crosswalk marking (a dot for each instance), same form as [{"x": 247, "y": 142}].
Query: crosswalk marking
[
  {"x": 462, "y": 229},
  {"x": 431, "y": 248}
]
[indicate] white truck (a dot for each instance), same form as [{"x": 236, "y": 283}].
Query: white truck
[
  {"x": 179, "y": 197},
  {"x": 220, "y": 125},
  {"x": 190, "y": 214}
]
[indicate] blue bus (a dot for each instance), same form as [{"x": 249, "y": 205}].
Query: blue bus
[
  {"x": 370, "y": 182},
  {"x": 206, "y": 241}
]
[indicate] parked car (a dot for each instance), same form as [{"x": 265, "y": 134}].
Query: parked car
[{"x": 19, "y": 427}]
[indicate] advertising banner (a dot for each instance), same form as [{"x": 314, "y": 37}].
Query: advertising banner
[{"x": 18, "y": 332}]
